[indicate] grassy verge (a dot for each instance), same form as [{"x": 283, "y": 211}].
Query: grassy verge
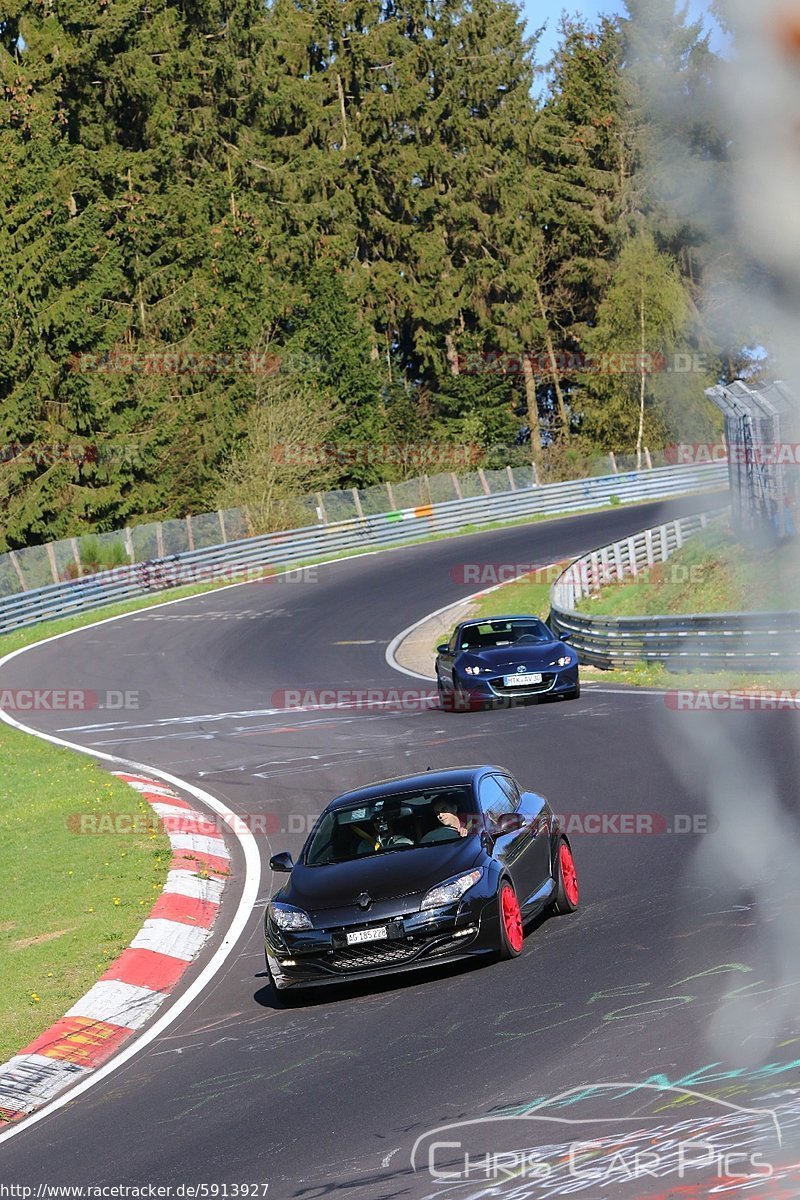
[
  {"x": 71, "y": 901},
  {"x": 712, "y": 573}
]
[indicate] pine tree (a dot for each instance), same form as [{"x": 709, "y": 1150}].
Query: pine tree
[
  {"x": 575, "y": 232},
  {"x": 59, "y": 278}
]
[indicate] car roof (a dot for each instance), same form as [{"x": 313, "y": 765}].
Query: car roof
[{"x": 451, "y": 777}]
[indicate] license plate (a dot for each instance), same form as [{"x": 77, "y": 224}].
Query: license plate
[
  {"x": 522, "y": 680},
  {"x": 367, "y": 935}
]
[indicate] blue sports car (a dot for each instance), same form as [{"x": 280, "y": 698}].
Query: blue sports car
[{"x": 503, "y": 660}]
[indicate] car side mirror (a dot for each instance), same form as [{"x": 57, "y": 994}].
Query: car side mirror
[
  {"x": 281, "y": 862},
  {"x": 565, "y": 637},
  {"x": 443, "y": 648},
  {"x": 487, "y": 841}
]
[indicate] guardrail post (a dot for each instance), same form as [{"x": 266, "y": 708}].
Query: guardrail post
[
  {"x": 575, "y": 585},
  {"x": 160, "y": 537},
  {"x": 456, "y": 487},
  {"x": 189, "y": 532},
  {"x": 648, "y": 460},
  {"x": 620, "y": 570},
  {"x": 76, "y": 552},
  {"x": 487, "y": 491},
  {"x": 511, "y": 480},
  {"x": 613, "y": 462},
  {"x": 679, "y": 534},
  {"x": 664, "y": 543},
  {"x": 390, "y": 494},
  {"x": 648, "y": 547},
  {"x": 634, "y": 570},
  {"x": 223, "y": 533},
  {"x": 128, "y": 539}
]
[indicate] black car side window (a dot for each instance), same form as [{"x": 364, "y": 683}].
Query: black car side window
[
  {"x": 510, "y": 788},
  {"x": 495, "y": 801}
]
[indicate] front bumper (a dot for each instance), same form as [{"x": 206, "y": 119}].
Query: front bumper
[
  {"x": 491, "y": 689},
  {"x": 415, "y": 940}
]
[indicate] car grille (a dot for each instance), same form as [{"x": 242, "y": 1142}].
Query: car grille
[
  {"x": 547, "y": 682},
  {"x": 365, "y": 958}
]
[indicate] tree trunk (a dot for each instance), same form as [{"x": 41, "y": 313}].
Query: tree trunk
[
  {"x": 533, "y": 414},
  {"x": 452, "y": 354},
  {"x": 642, "y": 377},
  {"x": 340, "y": 90},
  {"x": 551, "y": 359}
]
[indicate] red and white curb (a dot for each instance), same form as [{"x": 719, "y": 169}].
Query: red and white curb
[{"x": 141, "y": 979}]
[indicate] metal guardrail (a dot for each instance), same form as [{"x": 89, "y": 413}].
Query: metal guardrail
[
  {"x": 251, "y": 558},
  {"x": 754, "y": 641}
]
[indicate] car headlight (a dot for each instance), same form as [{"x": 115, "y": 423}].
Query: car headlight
[
  {"x": 451, "y": 890},
  {"x": 566, "y": 661},
  {"x": 472, "y": 670},
  {"x": 286, "y": 917}
]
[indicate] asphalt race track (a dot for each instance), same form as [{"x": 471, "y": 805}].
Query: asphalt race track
[{"x": 680, "y": 969}]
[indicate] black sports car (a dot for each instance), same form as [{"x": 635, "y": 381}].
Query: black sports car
[
  {"x": 417, "y": 871},
  {"x": 502, "y": 660}
]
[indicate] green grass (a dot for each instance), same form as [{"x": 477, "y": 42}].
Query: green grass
[
  {"x": 713, "y": 573},
  {"x": 71, "y": 901}
]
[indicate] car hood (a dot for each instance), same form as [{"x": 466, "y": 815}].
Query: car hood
[
  {"x": 384, "y": 876},
  {"x": 541, "y": 655}
]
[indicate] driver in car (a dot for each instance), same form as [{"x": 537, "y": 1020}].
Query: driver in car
[{"x": 448, "y": 814}]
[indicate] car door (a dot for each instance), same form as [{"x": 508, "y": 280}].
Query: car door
[
  {"x": 534, "y": 814},
  {"x": 447, "y": 658},
  {"x": 509, "y": 834}
]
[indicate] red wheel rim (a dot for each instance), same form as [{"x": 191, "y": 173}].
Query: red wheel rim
[
  {"x": 568, "y": 876},
  {"x": 512, "y": 918}
]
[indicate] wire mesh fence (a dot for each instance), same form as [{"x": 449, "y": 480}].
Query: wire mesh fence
[{"x": 73, "y": 558}]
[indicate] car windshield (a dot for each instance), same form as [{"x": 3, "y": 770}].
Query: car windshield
[
  {"x": 487, "y": 634},
  {"x": 390, "y": 824}
]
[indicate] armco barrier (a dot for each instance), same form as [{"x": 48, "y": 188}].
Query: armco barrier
[
  {"x": 242, "y": 558},
  {"x": 751, "y": 641}
]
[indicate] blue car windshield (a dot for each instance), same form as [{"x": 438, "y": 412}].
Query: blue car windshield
[
  {"x": 484, "y": 635},
  {"x": 389, "y": 824}
]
